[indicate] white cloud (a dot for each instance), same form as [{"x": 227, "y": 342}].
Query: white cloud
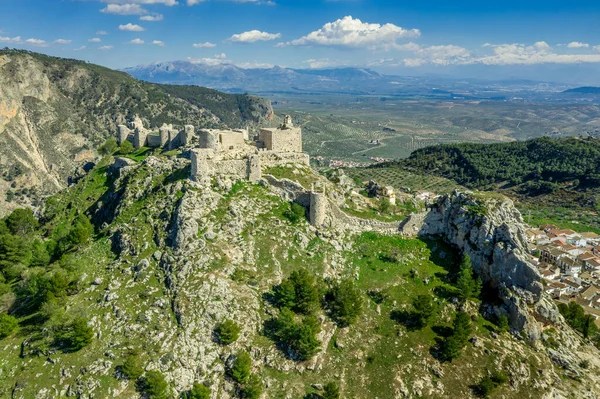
[
  {"x": 152, "y": 18},
  {"x": 131, "y": 28},
  {"x": 104, "y": 48},
  {"x": 101, "y": 32},
  {"x": 125, "y": 9},
  {"x": 164, "y": 2},
  {"x": 36, "y": 42},
  {"x": 204, "y": 45},
  {"x": 257, "y": 2},
  {"x": 325, "y": 63},
  {"x": 439, "y": 55},
  {"x": 539, "y": 53},
  {"x": 158, "y": 43},
  {"x": 80, "y": 48},
  {"x": 136, "y": 41},
  {"x": 11, "y": 40},
  {"x": 353, "y": 33},
  {"x": 254, "y": 65},
  {"x": 578, "y": 45},
  {"x": 218, "y": 59},
  {"x": 62, "y": 41},
  {"x": 253, "y": 36},
  {"x": 95, "y": 40},
  {"x": 502, "y": 54}
]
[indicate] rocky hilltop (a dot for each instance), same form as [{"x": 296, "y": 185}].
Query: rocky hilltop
[
  {"x": 171, "y": 259},
  {"x": 55, "y": 112}
]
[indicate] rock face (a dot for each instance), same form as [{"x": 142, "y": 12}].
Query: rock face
[{"x": 491, "y": 231}]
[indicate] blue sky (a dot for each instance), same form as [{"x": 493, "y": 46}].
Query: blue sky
[{"x": 381, "y": 34}]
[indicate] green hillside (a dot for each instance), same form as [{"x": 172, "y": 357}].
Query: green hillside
[
  {"x": 97, "y": 301},
  {"x": 552, "y": 180}
]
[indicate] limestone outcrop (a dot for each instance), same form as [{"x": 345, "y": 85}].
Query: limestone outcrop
[{"x": 490, "y": 230}]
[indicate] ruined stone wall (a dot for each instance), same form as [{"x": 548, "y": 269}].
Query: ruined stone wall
[
  {"x": 123, "y": 134},
  {"x": 187, "y": 135},
  {"x": 282, "y": 140},
  {"x": 231, "y": 140},
  {"x": 140, "y": 138},
  {"x": 154, "y": 140},
  {"x": 254, "y": 168},
  {"x": 271, "y": 159},
  {"x": 163, "y": 133},
  {"x": 207, "y": 163}
]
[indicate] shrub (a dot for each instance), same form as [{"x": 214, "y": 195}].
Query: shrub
[
  {"x": 21, "y": 222},
  {"x": 299, "y": 339},
  {"x": 126, "y": 148},
  {"x": 489, "y": 384},
  {"x": 240, "y": 370},
  {"x": 39, "y": 254},
  {"x": 109, "y": 147},
  {"x": 499, "y": 378},
  {"x": 132, "y": 367},
  {"x": 8, "y": 324},
  {"x": 502, "y": 324},
  {"x": 485, "y": 387},
  {"x": 78, "y": 334},
  {"x": 228, "y": 332},
  {"x": 198, "y": 391},
  {"x": 285, "y": 294},
  {"x": 295, "y": 213},
  {"x": 81, "y": 231},
  {"x": 253, "y": 388},
  {"x": 331, "y": 391},
  {"x": 345, "y": 302},
  {"x": 155, "y": 385},
  {"x": 424, "y": 309}
]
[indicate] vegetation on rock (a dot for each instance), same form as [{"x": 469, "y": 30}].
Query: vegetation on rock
[{"x": 228, "y": 332}]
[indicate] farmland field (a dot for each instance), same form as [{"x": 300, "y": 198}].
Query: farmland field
[{"x": 354, "y": 128}]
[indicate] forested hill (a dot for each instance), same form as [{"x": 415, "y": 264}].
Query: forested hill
[
  {"x": 55, "y": 112},
  {"x": 540, "y": 161},
  {"x": 584, "y": 90}
]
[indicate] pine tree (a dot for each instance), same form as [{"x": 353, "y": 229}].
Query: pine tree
[
  {"x": 461, "y": 332},
  {"x": 424, "y": 309},
  {"x": 345, "y": 302},
  {"x": 468, "y": 286},
  {"x": 306, "y": 292},
  {"x": 240, "y": 371}
]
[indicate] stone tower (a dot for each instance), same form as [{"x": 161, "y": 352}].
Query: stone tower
[
  {"x": 318, "y": 207},
  {"x": 123, "y": 134},
  {"x": 287, "y": 122},
  {"x": 207, "y": 139},
  {"x": 187, "y": 134}
]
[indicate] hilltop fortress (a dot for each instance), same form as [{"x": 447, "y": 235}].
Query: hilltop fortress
[{"x": 224, "y": 152}]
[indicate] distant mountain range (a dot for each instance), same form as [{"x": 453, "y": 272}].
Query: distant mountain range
[
  {"x": 356, "y": 81},
  {"x": 277, "y": 79}
]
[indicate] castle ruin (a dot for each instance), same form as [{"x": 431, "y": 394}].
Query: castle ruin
[
  {"x": 166, "y": 137},
  {"x": 231, "y": 153}
]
